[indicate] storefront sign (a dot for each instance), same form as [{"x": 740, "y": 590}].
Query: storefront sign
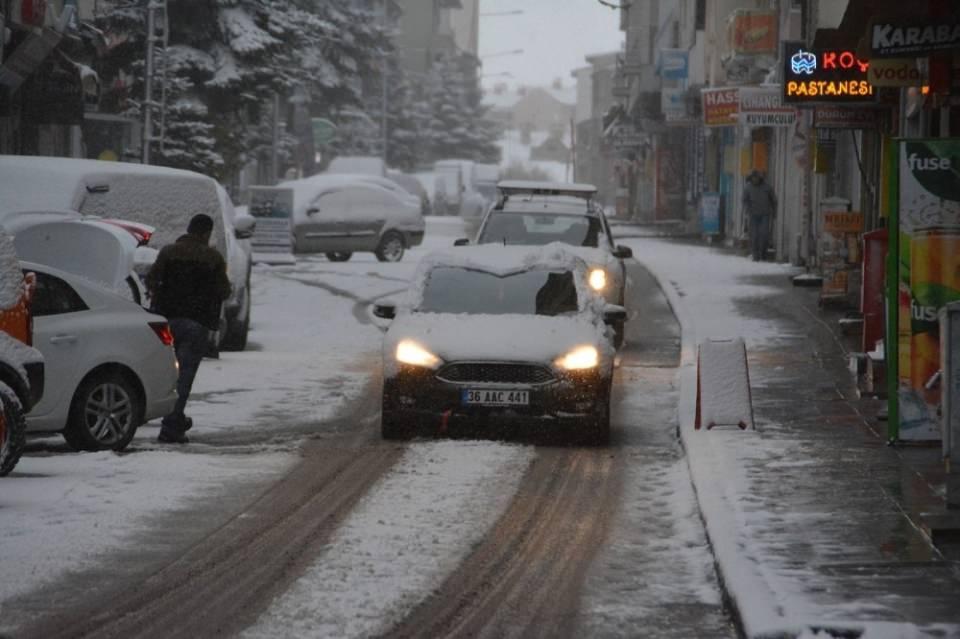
[
  {"x": 895, "y": 72},
  {"x": 626, "y": 136},
  {"x": 672, "y": 64},
  {"x": 710, "y": 213},
  {"x": 673, "y": 103},
  {"x": 913, "y": 38},
  {"x": 840, "y": 117},
  {"x": 754, "y": 32},
  {"x": 827, "y": 75},
  {"x": 842, "y": 222},
  {"x": 929, "y": 274},
  {"x": 838, "y": 250},
  {"x": 273, "y": 209},
  {"x": 720, "y": 106},
  {"x": 763, "y": 106}
]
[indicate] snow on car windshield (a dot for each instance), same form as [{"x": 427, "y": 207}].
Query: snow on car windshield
[
  {"x": 539, "y": 229},
  {"x": 534, "y": 292}
]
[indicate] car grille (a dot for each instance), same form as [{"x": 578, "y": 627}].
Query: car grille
[{"x": 490, "y": 373}]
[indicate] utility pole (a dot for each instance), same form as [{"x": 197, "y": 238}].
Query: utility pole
[
  {"x": 156, "y": 55},
  {"x": 384, "y": 92}
]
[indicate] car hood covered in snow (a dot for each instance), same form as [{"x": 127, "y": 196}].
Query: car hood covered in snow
[{"x": 507, "y": 338}]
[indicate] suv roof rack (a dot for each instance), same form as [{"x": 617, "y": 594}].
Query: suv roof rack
[{"x": 507, "y": 188}]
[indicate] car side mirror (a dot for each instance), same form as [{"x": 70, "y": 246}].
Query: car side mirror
[
  {"x": 614, "y": 314},
  {"x": 461, "y": 242},
  {"x": 622, "y": 252},
  {"x": 385, "y": 311},
  {"x": 244, "y": 226}
]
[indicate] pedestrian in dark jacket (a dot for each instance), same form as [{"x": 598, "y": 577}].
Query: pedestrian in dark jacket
[
  {"x": 760, "y": 205},
  {"x": 187, "y": 285}
]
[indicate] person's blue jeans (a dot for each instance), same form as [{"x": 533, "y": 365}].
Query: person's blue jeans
[
  {"x": 759, "y": 236},
  {"x": 190, "y": 344}
]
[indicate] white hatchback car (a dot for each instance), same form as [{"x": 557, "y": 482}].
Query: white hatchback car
[{"x": 110, "y": 364}]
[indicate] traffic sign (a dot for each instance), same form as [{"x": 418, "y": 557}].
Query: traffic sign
[{"x": 323, "y": 131}]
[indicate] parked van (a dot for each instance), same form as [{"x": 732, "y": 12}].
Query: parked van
[{"x": 160, "y": 197}]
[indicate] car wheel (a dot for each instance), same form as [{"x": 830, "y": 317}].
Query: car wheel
[
  {"x": 13, "y": 430},
  {"x": 339, "y": 256},
  {"x": 390, "y": 248},
  {"x": 105, "y": 413},
  {"x": 235, "y": 336}
]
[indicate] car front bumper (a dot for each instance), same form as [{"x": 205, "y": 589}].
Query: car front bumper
[{"x": 426, "y": 404}]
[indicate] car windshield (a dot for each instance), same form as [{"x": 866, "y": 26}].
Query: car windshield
[
  {"x": 539, "y": 229},
  {"x": 471, "y": 291}
]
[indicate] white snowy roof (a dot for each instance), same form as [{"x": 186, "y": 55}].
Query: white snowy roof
[
  {"x": 370, "y": 165},
  {"x": 40, "y": 183},
  {"x": 547, "y": 188}
]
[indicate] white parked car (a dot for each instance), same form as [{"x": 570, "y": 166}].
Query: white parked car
[
  {"x": 105, "y": 252},
  {"x": 340, "y": 215},
  {"x": 163, "y": 198},
  {"x": 501, "y": 340},
  {"x": 109, "y": 364},
  {"x": 530, "y": 213}
]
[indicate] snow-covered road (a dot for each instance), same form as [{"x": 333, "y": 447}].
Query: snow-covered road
[{"x": 314, "y": 350}]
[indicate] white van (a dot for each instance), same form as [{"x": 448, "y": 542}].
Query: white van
[{"x": 160, "y": 197}]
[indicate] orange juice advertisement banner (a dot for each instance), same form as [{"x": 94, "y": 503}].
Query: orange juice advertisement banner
[{"x": 928, "y": 274}]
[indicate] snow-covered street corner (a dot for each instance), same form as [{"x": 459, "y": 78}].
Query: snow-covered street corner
[
  {"x": 401, "y": 541},
  {"x": 798, "y": 556}
]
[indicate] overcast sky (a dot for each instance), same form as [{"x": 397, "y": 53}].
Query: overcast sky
[{"x": 554, "y": 34}]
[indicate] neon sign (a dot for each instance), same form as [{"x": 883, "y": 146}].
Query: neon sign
[
  {"x": 803, "y": 62},
  {"x": 826, "y": 75}
]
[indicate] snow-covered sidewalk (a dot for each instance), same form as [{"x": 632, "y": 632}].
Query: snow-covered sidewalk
[{"x": 804, "y": 514}]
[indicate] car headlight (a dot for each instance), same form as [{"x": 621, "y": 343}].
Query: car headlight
[
  {"x": 598, "y": 279},
  {"x": 409, "y": 352},
  {"x": 580, "y": 358}
]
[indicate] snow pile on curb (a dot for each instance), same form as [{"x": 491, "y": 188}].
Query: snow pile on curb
[{"x": 769, "y": 602}]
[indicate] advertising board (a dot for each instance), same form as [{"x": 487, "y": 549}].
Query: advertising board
[
  {"x": 928, "y": 274},
  {"x": 721, "y": 106},
  {"x": 273, "y": 209}
]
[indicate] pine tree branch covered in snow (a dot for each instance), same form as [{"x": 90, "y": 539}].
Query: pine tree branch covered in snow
[{"x": 225, "y": 61}]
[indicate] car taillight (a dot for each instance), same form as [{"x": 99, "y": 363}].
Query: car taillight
[{"x": 162, "y": 329}]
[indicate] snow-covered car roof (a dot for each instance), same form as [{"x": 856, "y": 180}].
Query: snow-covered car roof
[
  {"x": 572, "y": 189},
  {"x": 305, "y": 190},
  {"x": 37, "y": 182},
  {"x": 550, "y": 205},
  {"x": 366, "y": 164}
]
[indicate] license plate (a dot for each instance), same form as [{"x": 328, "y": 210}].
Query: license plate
[{"x": 495, "y": 397}]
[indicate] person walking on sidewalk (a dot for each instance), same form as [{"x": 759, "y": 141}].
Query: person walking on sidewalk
[
  {"x": 187, "y": 285},
  {"x": 760, "y": 205}
]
